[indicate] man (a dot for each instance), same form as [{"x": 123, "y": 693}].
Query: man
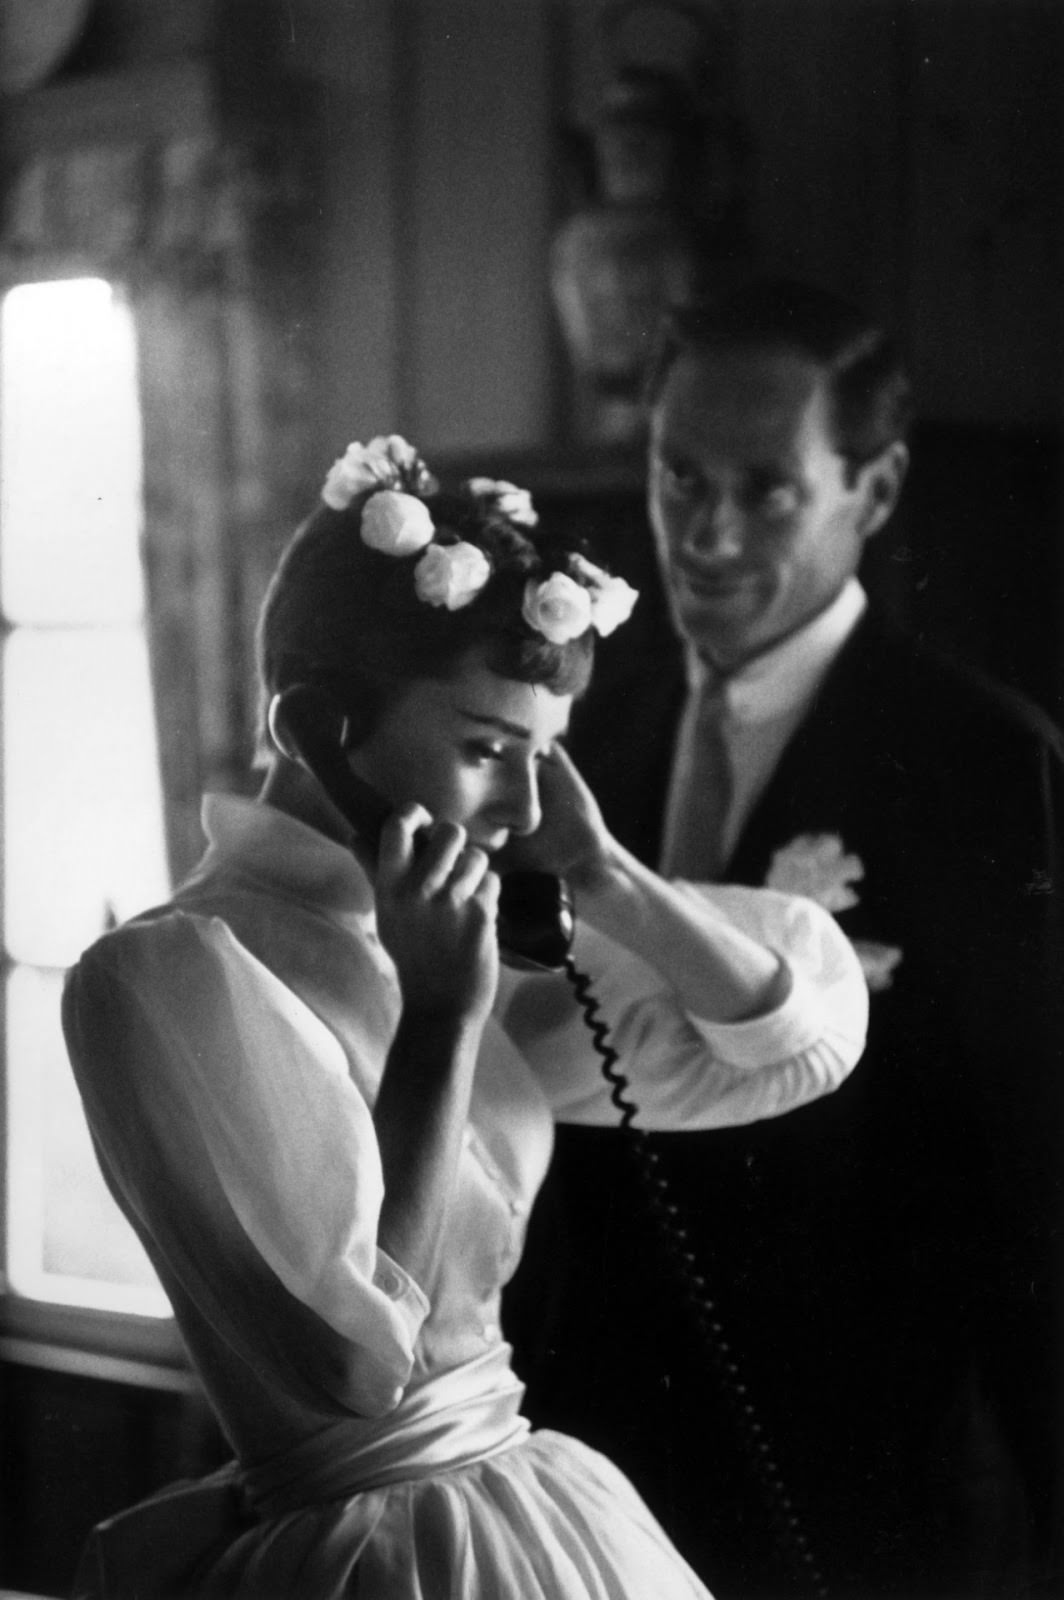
[{"x": 882, "y": 1264}]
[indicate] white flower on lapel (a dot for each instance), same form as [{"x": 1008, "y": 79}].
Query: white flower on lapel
[
  {"x": 877, "y": 962},
  {"x": 818, "y": 866}
]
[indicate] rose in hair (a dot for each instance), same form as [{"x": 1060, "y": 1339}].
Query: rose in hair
[
  {"x": 387, "y": 462},
  {"x": 513, "y": 503},
  {"x": 451, "y": 575},
  {"x": 612, "y": 599},
  {"x": 396, "y": 524},
  {"x": 559, "y": 608}
]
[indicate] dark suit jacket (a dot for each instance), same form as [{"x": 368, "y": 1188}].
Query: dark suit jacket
[{"x": 884, "y": 1259}]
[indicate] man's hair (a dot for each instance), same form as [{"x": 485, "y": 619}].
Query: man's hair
[
  {"x": 869, "y": 391},
  {"x": 347, "y": 618}
]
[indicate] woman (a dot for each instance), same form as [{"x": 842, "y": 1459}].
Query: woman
[{"x": 326, "y": 1110}]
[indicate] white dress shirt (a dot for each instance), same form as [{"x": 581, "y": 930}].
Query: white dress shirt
[{"x": 765, "y": 702}]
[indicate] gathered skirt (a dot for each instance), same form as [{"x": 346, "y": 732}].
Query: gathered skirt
[
  {"x": 545, "y": 1519},
  {"x": 449, "y": 1497}
]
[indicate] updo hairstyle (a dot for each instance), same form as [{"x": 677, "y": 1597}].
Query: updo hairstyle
[{"x": 347, "y": 618}]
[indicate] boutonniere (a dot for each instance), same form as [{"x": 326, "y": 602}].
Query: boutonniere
[{"x": 818, "y": 866}]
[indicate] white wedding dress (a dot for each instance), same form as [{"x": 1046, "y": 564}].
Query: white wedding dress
[{"x": 228, "y": 1049}]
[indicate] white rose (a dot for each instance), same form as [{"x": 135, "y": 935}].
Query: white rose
[
  {"x": 407, "y": 465},
  {"x": 396, "y": 524},
  {"x": 395, "y": 447},
  {"x": 386, "y": 462},
  {"x": 512, "y": 502},
  {"x": 817, "y": 865},
  {"x": 611, "y": 604},
  {"x": 559, "y": 609},
  {"x": 612, "y": 599},
  {"x": 451, "y": 575},
  {"x": 361, "y": 467},
  {"x": 877, "y": 963}
]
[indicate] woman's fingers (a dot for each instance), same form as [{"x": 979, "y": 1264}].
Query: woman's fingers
[
  {"x": 564, "y": 781},
  {"x": 572, "y": 839},
  {"x": 399, "y": 840},
  {"x": 468, "y": 874},
  {"x": 433, "y": 857},
  {"x": 437, "y": 903},
  {"x": 440, "y": 850}
]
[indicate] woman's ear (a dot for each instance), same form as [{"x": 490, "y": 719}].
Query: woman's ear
[
  {"x": 882, "y": 479},
  {"x": 315, "y": 705},
  {"x": 357, "y": 725}
]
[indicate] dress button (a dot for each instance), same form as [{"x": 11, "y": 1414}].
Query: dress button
[
  {"x": 491, "y": 1332},
  {"x": 517, "y": 1208}
]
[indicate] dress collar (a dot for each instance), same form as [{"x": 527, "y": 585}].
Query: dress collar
[
  {"x": 276, "y": 849},
  {"x": 786, "y": 676}
]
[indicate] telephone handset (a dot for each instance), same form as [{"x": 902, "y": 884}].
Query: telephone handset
[{"x": 535, "y": 918}]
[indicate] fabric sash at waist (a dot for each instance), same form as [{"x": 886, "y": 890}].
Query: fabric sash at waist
[{"x": 452, "y": 1420}]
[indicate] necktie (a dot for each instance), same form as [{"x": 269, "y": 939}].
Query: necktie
[{"x": 701, "y": 790}]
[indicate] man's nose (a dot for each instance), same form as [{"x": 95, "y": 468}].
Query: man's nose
[
  {"x": 520, "y": 809},
  {"x": 715, "y": 528}
]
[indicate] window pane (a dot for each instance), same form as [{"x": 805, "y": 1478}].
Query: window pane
[
  {"x": 83, "y": 837},
  {"x": 70, "y": 453},
  {"x": 83, "y": 840},
  {"x": 67, "y": 1241}
]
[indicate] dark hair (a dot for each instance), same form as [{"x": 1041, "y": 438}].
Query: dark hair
[
  {"x": 870, "y": 395},
  {"x": 347, "y": 618}
]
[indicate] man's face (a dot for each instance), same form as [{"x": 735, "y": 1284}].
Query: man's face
[{"x": 756, "y": 524}]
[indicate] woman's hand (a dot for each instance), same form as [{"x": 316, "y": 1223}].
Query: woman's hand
[
  {"x": 572, "y": 841},
  {"x": 436, "y": 911}
]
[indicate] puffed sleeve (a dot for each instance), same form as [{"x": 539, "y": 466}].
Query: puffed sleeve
[
  {"x": 686, "y": 1070},
  {"x": 213, "y": 1093}
]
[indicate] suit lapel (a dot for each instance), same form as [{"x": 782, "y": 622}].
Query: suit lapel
[
  {"x": 835, "y": 776},
  {"x": 623, "y": 743}
]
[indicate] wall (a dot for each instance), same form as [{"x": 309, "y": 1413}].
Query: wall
[
  {"x": 436, "y": 210},
  {"x": 911, "y": 154},
  {"x": 906, "y": 151}
]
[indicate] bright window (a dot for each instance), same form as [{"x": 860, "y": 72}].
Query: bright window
[{"x": 81, "y": 815}]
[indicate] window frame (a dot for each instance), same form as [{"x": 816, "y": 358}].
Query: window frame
[
  {"x": 206, "y": 215},
  {"x": 114, "y": 1345}
]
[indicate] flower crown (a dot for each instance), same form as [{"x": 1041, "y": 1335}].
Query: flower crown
[{"x": 397, "y": 522}]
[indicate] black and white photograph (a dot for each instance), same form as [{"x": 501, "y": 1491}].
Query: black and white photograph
[{"x": 531, "y": 800}]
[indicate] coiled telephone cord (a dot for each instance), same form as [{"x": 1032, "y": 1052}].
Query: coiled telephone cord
[{"x": 750, "y": 1433}]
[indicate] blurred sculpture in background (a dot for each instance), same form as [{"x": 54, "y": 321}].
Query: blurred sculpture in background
[{"x": 660, "y": 216}]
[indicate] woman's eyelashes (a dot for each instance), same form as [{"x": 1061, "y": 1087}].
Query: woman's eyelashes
[{"x": 482, "y": 751}]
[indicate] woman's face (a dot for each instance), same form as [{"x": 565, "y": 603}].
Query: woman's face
[{"x": 468, "y": 748}]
